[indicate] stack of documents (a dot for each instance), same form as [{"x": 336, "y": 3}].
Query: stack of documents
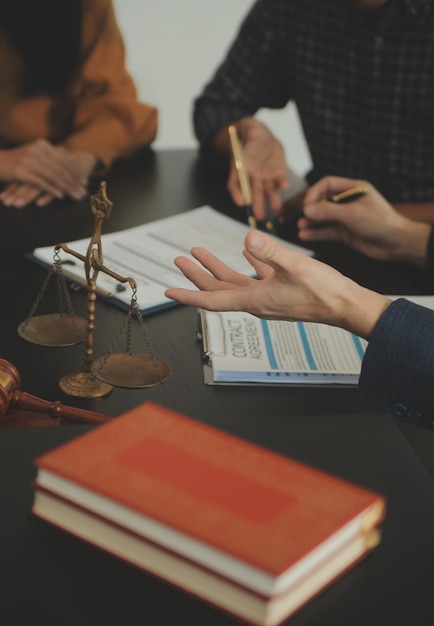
[{"x": 241, "y": 349}]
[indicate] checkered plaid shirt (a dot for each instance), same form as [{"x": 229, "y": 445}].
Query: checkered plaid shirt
[{"x": 363, "y": 84}]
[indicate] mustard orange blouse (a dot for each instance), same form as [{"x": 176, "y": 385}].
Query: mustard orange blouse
[{"x": 99, "y": 113}]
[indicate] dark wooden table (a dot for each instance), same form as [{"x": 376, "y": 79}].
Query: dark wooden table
[{"x": 48, "y": 576}]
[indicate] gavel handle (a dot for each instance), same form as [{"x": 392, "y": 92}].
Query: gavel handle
[{"x": 20, "y": 400}]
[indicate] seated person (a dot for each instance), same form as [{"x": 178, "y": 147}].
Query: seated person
[
  {"x": 348, "y": 66},
  {"x": 68, "y": 105},
  {"x": 398, "y": 368}
]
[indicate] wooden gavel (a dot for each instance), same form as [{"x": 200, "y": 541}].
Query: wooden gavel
[{"x": 12, "y": 399}]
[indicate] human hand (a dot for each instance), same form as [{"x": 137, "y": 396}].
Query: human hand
[
  {"x": 369, "y": 224},
  {"x": 265, "y": 164},
  {"x": 19, "y": 195},
  {"x": 290, "y": 286},
  {"x": 54, "y": 170},
  {"x": 83, "y": 164}
]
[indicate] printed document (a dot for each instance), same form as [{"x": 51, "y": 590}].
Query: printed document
[
  {"x": 240, "y": 348},
  {"x": 146, "y": 254}
]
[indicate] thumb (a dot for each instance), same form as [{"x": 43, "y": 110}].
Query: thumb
[{"x": 264, "y": 249}]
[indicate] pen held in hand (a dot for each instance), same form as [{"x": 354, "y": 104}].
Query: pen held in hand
[
  {"x": 246, "y": 190},
  {"x": 350, "y": 195}
]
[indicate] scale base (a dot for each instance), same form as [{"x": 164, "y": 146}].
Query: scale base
[{"x": 84, "y": 385}]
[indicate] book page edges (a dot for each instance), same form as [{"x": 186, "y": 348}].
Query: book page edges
[
  {"x": 209, "y": 586},
  {"x": 242, "y": 572}
]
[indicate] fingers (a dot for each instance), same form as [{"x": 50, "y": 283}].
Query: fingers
[
  {"x": 84, "y": 164},
  {"x": 39, "y": 172},
  {"x": 273, "y": 196},
  {"x": 327, "y": 232},
  {"x": 217, "y": 283},
  {"x": 324, "y": 211},
  {"x": 326, "y": 221},
  {"x": 265, "y": 187},
  {"x": 263, "y": 192},
  {"x": 19, "y": 195},
  {"x": 265, "y": 250},
  {"x": 279, "y": 264},
  {"x": 234, "y": 188},
  {"x": 184, "y": 296},
  {"x": 44, "y": 199},
  {"x": 262, "y": 270},
  {"x": 216, "y": 274},
  {"x": 219, "y": 269},
  {"x": 224, "y": 300},
  {"x": 257, "y": 189},
  {"x": 328, "y": 186},
  {"x": 258, "y": 205},
  {"x": 200, "y": 277},
  {"x": 50, "y": 168},
  {"x": 54, "y": 174}
]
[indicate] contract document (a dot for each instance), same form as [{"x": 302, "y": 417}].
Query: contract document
[{"x": 241, "y": 349}]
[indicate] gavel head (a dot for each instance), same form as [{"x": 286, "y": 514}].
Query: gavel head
[{"x": 10, "y": 381}]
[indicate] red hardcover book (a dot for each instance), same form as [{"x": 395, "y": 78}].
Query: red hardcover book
[{"x": 248, "y": 530}]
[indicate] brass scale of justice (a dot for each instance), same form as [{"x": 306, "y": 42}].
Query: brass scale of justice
[{"x": 96, "y": 378}]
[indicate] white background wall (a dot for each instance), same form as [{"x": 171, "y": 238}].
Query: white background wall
[{"x": 173, "y": 47}]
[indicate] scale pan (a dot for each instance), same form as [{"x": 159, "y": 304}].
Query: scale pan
[
  {"x": 133, "y": 371},
  {"x": 55, "y": 330}
]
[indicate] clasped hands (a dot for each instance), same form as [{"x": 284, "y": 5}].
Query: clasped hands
[{"x": 40, "y": 172}]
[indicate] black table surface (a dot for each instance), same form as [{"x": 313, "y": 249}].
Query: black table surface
[{"x": 48, "y": 575}]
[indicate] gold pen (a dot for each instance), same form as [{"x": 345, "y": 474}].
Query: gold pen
[
  {"x": 350, "y": 194},
  {"x": 240, "y": 166}
]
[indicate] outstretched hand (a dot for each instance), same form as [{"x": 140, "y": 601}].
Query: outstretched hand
[{"x": 290, "y": 286}]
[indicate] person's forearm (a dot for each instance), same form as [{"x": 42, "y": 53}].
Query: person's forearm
[
  {"x": 5, "y": 166},
  {"x": 410, "y": 242}
]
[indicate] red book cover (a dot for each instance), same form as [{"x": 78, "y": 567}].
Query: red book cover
[{"x": 263, "y": 509}]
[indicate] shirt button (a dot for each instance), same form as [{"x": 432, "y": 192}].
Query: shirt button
[
  {"x": 378, "y": 40},
  {"x": 428, "y": 422},
  {"x": 414, "y": 415},
  {"x": 399, "y": 409}
]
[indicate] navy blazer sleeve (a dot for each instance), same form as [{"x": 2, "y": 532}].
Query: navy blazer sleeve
[{"x": 398, "y": 369}]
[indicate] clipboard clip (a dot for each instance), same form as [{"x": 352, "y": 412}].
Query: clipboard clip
[{"x": 211, "y": 334}]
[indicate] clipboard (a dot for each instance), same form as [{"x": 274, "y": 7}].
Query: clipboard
[
  {"x": 146, "y": 253},
  {"x": 207, "y": 352}
]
